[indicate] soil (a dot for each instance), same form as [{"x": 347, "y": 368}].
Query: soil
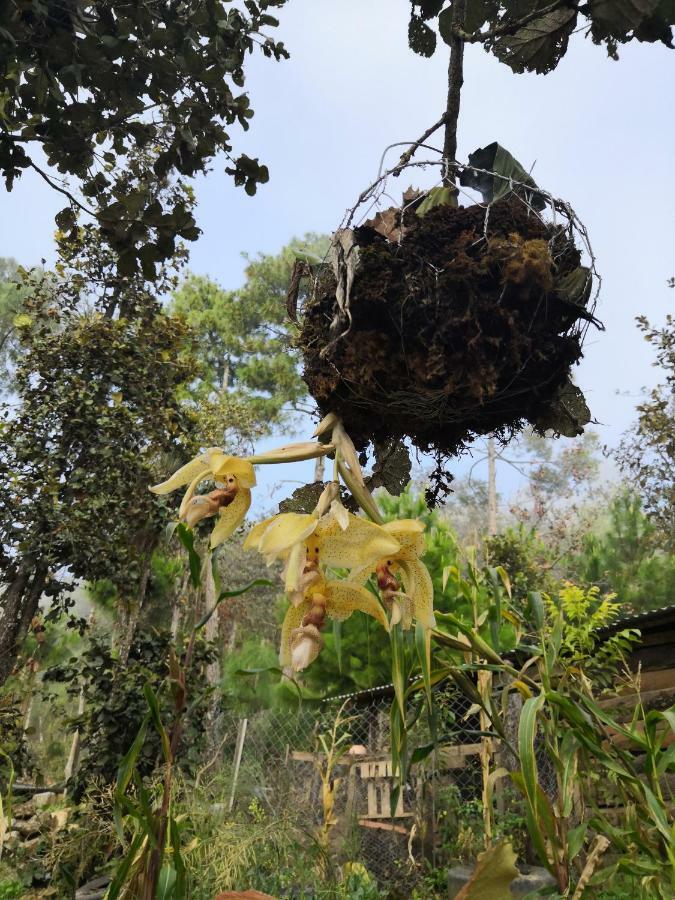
[{"x": 459, "y": 329}]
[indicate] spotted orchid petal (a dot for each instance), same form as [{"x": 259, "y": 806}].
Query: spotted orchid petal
[
  {"x": 284, "y": 531},
  {"x": 253, "y": 538},
  {"x": 188, "y": 473},
  {"x": 343, "y": 598},
  {"x": 340, "y": 514},
  {"x": 190, "y": 492},
  {"x": 292, "y": 620},
  {"x": 361, "y": 544},
  {"x": 410, "y": 535},
  {"x": 294, "y": 567},
  {"x": 230, "y": 517},
  {"x": 419, "y": 587}
]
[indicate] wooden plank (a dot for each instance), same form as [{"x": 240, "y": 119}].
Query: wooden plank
[
  {"x": 454, "y": 757},
  {"x": 663, "y": 698},
  {"x": 620, "y": 740},
  {"x": 384, "y": 826},
  {"x": 303, "y": 756}
]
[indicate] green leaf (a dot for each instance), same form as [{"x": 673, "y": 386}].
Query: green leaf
[
  {"x": 166, "y": 882},
  {"x": 476, "y": 15},
  {"x": 576, "y": 286},
  {"x": 337, "y": 640},
  {"x": 618, "y": 17},
  {"x": 575, "y": 840},
  {"x": 438, "y": 196},
  {"x": 535, "y": 609},
  {"x": 179, "y": 865},
  {"x": 122, "y": 870},
  {"x": 429, "y": 8},
  {"x": 237, "y": 592},
  {"x": 421, "y": 753},
  {"x": 126, "y": 769},
  {"x": 540, "y": 45},
  {"x": 187, "y": 538},
  {"x": 501, "y": 174},
  {"x": 423, "y": 647},
  {"x": 527, "y": 730},
  {"x": 421, "y": 38},
  {"x": 658, "y": 813},
  {"x": 153, "y": 705}
]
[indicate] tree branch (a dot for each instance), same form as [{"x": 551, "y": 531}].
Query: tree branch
[
  {"x": 455, "y": 82},
  {"x": 412, "y": 150},
  {"x": 509, "y": 27},
  {"x": 60, "y": 189}
]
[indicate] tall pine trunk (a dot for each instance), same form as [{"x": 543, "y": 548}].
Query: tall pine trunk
[{"x": 18, "y": 605}]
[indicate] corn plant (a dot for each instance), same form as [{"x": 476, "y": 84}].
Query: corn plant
[
  {"x": 561, "y": 715},
  {"x": 153, "y": 864}
]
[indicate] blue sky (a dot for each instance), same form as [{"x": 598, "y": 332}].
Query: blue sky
[{"x": 600, "y": 132}]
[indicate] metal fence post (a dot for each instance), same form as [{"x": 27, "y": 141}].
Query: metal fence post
[{"x": 241, "y": 736}]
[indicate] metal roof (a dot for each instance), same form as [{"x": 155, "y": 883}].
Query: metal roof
[{"x": 651, "y": 617}]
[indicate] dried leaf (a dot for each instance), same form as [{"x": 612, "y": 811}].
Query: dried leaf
[
  {"x": 568, "y": 413},
  {"x": 300, "y": 270},
  {"x": 411, "y": 195},
  {"x": 494, "y": 872},
  {"x": 387, "y": 224}
]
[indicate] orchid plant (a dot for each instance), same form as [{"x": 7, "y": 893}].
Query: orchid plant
[{"x": 385, "y": 576}]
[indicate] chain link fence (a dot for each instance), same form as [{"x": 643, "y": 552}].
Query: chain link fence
[{"x": 339, "y": 753}]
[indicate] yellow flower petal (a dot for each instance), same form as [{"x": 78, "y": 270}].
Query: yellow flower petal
[
  {"x": 292, "y": 453},
  {"x": 296, "y": 563},
  {"x": 344, "y": 598},
  {"x": 186, "y": 473},
  {"x": 410, "y": 535},
  {"x": 361, "y": 544},
  {"x": 230, "y": 517},
  {"x": 190, "y": 492},
  {"x": 254, "y": 536},
  {"x": 420, "y": 589},
  {"x": 292, "y": 619},
  {"x": 284, "y": 531},
  {"x": 340, "y": 514}
]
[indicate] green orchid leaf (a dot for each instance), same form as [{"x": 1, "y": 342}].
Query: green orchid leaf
[{"x": 497, "y": 174}]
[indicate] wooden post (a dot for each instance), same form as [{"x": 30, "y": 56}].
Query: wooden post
[{"x": 239, "y": 749}]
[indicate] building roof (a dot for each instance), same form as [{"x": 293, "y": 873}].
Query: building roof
[{"x": 653, "y": 620}]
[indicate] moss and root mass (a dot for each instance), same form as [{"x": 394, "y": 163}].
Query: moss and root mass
[{"x": 465, "y": 325}]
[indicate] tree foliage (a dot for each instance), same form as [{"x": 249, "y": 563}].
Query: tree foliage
[
  {"x": 646, "y": 454},
  {"x": 97, "y": 387},
  {"x": 87, "y": 84},
  {"x": 624, "y": 556},
  {"x": 249, "y": 380},
  {"x": 534, "y": 37}
]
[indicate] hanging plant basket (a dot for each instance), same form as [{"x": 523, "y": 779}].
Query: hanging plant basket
[{"x": 439, "y": 322}]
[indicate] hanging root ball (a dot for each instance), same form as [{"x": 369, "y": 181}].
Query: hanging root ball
[{"x": 457, "y": 323}]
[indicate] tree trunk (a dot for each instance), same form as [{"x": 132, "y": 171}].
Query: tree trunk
[
  {"x": 492, "y": 487},
  {"x": 18, "y": 605},
  {"x": 128, "y": 614}
]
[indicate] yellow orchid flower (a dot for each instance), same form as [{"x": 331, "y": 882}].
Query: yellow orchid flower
[
  {"x": 418, "y": 600},
  {"x": 307, "y": 541},
  {"x": 230, "y": 503},
  {"x": 301, "y": 640}
]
